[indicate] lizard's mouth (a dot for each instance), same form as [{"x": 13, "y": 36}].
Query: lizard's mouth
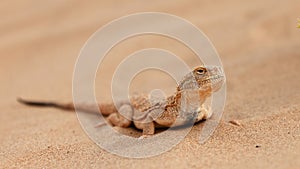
[
  {"x": 212, "y": 80},
  {"x": 213, "y": 83}
]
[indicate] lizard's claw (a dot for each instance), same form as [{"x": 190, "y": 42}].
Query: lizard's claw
[
  {"x": 144, "y": 136},
  {"x": 100, "y": 124}
]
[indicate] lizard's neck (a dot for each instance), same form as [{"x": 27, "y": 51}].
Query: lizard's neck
[{"x": 202, "y": 96}]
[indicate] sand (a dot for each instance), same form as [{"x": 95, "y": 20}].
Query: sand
[{"x": 258, "y": 43}]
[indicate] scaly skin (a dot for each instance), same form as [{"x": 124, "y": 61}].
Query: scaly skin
[{"x": 185, "y": 106}]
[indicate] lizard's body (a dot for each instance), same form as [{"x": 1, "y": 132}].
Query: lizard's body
[{"x": 148, "y": 114}]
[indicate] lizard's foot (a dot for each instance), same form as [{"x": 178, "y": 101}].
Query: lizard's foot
[
  {"x": 145, "y": 136},
  {"x": 204, "y": 112},
  {"x": 116, "y": 119},
  {"x": 207, "y": 112}
]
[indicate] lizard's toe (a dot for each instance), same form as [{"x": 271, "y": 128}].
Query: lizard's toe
[{"x": 144, "y": 136}]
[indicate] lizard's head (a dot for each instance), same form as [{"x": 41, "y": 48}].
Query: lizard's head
[
  {"x": 203, "y": 79},
  {"x": 206, "y": 79},
  {"x": 209, "y": 78}
]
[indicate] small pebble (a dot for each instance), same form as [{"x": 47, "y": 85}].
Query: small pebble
[{"x": 235, "y": 122}]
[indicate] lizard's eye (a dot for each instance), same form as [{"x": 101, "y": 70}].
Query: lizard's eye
[{"x": 200, "y": 71}]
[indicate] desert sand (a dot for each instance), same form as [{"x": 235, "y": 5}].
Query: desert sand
[{"x": 257, "y": 41}]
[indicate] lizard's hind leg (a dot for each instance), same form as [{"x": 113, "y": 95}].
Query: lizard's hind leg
[{"x": 118, "y": 119}]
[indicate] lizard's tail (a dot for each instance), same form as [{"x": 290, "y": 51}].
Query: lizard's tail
[
  {"x": 105, "y": 109},
  {"x": 68, "y": 106}
]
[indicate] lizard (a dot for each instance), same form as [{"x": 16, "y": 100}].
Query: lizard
[{"x": 186, "y": 105}]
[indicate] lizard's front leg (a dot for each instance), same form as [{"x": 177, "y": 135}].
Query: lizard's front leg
[
  {"x": 148, "y": 129},
  {"x": 204, "y": 112},
  {"x": 147, "y": 125}
]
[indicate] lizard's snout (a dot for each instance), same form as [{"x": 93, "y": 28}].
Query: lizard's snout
[{"x": 218, "y": 70}]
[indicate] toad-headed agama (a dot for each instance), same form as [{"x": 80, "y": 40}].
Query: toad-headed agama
[{"x": 186, "y": 105}]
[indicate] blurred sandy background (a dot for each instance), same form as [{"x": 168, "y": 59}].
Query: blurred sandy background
[{"x": 258, "y": 43}]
